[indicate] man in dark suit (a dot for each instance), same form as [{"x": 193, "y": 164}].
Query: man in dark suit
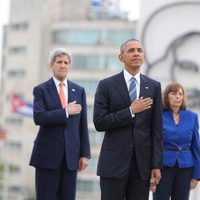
[
  {"x": 62, "y": 145},
  {"x": 128, "y": 108}
]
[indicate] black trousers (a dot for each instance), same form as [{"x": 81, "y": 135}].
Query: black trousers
[
  {"x": 58, "y": 184},
  {"x": 174, "y": 183},
  {"x": 130, "y": 187}
]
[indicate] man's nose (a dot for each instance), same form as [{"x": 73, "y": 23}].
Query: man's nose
[
  {"x": 136, "y": 53},
  {"x": 63, "y": 64}
]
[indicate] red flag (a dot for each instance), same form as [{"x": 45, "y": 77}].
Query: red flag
[{"x": 21, "y": 106}]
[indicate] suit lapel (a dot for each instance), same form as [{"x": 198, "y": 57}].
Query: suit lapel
[
  {"x": 145, "y": 90},
  {"x": 144, "y": 87},
  {"x": 71, "y": 92},
  {"x": 53, "y": 92},
  {"x": 121, "y": 86}
]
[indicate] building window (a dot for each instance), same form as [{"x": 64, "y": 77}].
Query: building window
[
  {"x": 17, "y": 73},
  {"x": 93, "y": 163},
  {"x": 87, "y": 186},
  {"x": 86, "y": 37},
  {"x": 14, "y": 169},
  {"x": 60, "y": 37},
  {"x": 96, "y": 62},
  {"x": 118, "y": 37},
  {"x": 90, "y": 112},
  {"x": 96, "y": 138},
  {"x": 86, "y": 62},
  {"x": 89, "y": 85},
  {"x": 17, "y": 50},
  {"x": 15, "y": 189},
  {"x": 19, "y": 26},
  {"x": 13, "y": 121},
  {"x": 14, "y": 145},
  {"x": 113, "y": 63}
]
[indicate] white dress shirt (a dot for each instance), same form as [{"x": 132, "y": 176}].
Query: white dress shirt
[{"x": 127, "y": 77}]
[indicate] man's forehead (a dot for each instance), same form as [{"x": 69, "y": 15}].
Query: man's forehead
[
  {"x": 134, "y": 44},
  {"x": 65, "y": 57}
]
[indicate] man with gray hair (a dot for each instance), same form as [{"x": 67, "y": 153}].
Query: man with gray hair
[{"x": 62, "y": 143}]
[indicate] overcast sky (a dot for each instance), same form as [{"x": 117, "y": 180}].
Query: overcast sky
[{"x": 132, "y": 6}]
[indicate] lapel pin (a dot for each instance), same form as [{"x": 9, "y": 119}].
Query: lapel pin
[
  {"x": 73, "y": 90},
  {"x": 147, "y": 87}
]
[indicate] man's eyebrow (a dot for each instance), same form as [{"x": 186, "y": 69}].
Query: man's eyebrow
[
  {"x": 133, "y": 49},
  {"x": 140, "y": 48}
]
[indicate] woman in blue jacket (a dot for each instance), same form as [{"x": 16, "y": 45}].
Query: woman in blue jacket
[{"x": 181, "y": 170}]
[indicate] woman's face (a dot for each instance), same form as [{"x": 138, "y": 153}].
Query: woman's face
[{"x": 176, "y": 99}]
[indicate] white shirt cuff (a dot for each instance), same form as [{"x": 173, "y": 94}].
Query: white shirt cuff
[{"x": 132, "y": 114}]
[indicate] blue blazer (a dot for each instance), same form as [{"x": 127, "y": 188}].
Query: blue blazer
[
  {"x": 57, "y": 133},
  {"x": 184, "y": 135}
]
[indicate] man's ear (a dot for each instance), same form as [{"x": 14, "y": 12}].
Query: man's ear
[{"x": 121, "y": 57}]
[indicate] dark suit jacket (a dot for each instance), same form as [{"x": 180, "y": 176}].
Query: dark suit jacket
[
  {"x": 58, "y": 134},
  {"x": 112, "y": 115}
]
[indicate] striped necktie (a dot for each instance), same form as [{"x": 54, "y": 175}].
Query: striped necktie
[{"x": 132, "y": 90}]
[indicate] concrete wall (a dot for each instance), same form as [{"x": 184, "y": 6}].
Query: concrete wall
[{"x": 170, "y": 32}]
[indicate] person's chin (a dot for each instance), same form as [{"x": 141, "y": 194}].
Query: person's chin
[
  {"x": 136, "y": 66},
  {"x": 63, "y": 76}
]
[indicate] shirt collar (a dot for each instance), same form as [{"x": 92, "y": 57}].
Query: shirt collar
[
  {"x": 128, "y": 76},
  {"x": 57, "y": 82}
]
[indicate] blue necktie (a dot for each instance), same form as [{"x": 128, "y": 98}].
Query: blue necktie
[{"x": 132, "y": 90}]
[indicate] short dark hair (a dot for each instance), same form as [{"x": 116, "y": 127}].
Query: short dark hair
[
  {"x": 173, "y": 87},
  {"x": 125, "y": 43}
]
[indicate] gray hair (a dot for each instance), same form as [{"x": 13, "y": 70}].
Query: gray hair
[
  {"x": 57, "y": 53},
  {"x": 125, "y": 43}
]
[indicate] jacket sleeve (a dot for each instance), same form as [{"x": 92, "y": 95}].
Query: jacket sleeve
[
  {"x": 85, "y": 145},
  {"x": 157, "y": 131},
  {"x": 196, "y": 149}
]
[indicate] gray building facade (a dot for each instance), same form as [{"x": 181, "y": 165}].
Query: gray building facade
[{"x": 93, "y": 34}]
